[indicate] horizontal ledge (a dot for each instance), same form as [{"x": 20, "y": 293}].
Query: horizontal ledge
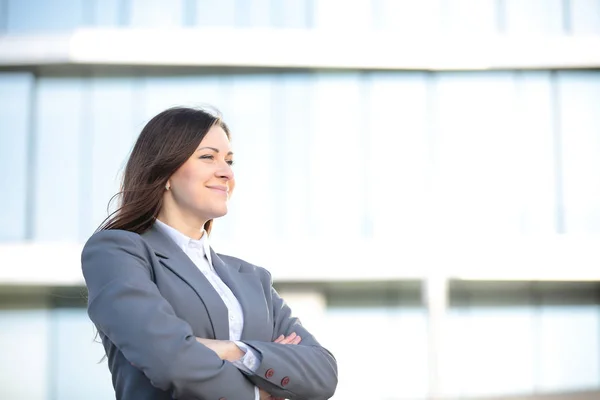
[
  {"x": 552, "y": 258},
  {"x": 298, "y": 49}
]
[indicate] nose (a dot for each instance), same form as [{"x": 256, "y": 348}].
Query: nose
[{"x": 225, "y": 171}]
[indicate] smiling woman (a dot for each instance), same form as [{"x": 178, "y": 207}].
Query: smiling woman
[
  {"x": 178, "y": 320},
  {"x": 180, "y": 144},
  {"x": 198, "y": 191}
]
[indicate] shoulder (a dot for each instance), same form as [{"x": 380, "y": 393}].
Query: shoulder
[
  {"x": 114, "y": 234},
  {"x": 247, "y": 267},
  {"x": 114, "y": 243},
  {"x": 115, "y": 256},
  {"x": 114, "y": 253},
  {"x": 112, "y": 238}
]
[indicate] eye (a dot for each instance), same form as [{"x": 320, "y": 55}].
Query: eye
[
  {"x": 207, "y": 157},
  {"x": 230, "y": 162}
]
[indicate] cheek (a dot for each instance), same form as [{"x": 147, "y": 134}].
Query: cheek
[
  {"x": 190, "y": 184},
  {"x": 187, "y": 176}
]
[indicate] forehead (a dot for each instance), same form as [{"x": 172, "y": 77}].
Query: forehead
[{"x": 216, "y": 137}]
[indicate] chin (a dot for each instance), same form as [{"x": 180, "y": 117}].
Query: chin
[{"x": 218, "y": 212}]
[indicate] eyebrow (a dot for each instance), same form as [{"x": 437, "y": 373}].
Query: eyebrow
[{"x": 214, "y": 149}]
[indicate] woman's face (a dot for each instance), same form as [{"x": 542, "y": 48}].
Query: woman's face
[{"x": 203, "y": 184}]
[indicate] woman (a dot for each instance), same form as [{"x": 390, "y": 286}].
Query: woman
[{"x": 176, "y": 319}]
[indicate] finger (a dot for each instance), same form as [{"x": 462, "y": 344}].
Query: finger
[
  {"x": 284, "y": 341},
  {"x": 296, "y": 340},
  {"x": 289, "y": 338},
  {"x": 279, "y": 339}
]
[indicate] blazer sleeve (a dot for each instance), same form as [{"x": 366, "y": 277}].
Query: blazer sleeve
[
  {"x": 304, "y": 371},
  {"x": 126, "y": 305}
]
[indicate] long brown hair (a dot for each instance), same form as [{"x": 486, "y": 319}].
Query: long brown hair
[{"x": 166, "y": 142}]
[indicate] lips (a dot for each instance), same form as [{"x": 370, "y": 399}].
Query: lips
[{"x": 222, "y": 189}]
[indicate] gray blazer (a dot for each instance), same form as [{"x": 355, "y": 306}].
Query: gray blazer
[{"x": 149, "y": 301}]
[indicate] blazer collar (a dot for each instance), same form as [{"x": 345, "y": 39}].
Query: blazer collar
[
  {"x": 173, "y": 257},
  {"x": 246, "y": 287},
  {"x": 182, "y": 240},
  {"x": 164, "y": 247}
]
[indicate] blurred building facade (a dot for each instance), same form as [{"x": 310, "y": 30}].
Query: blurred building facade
[{"x": 421, "y": 178}]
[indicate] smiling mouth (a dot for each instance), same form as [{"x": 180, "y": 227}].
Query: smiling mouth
[{"x": 219, "y": 189}]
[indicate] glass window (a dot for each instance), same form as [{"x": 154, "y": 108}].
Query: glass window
[
  {"x": 62, "y": 150},
  {"x": 156, "y": 13},
  {"x": 378, "y": 333},
  {"x": 15, "y": 120},
  {"x": 24, "y": 343},
  {"x": 579, "y": 132},
  {"x": 79, "y": 372},
  {"x": 32, "y": 16}
]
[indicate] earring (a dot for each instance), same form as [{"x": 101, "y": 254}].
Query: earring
[{"x": 167, "y": 186}]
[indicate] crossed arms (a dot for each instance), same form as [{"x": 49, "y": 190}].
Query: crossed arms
[{"x": 127, "y": 307}]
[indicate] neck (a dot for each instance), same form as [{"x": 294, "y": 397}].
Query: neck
[{"x": 190, "y": 226}]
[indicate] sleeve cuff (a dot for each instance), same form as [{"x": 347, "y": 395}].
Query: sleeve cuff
[
  {"x": 256, "y": 393},
  {"x": 250, "y": 361}
]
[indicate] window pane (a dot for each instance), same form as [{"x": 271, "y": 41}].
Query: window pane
[
  {"x": 33, "y": 16},
  {"x": 24, "y": 334},
  {"x": 78, "y": 372},
  {"x": 15, "y": 111}
]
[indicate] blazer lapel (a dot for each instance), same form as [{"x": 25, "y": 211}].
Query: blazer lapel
[
  {"x": 248, "y": 290},
  {"x": 172, "y": 257}
]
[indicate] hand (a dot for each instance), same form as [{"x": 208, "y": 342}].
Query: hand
[
  {"x": 225, "y": 349},
  {"x": 266, "y": 396},
  {"x": 291, "y": 339},
  {"x": 228, "y": 350}
]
